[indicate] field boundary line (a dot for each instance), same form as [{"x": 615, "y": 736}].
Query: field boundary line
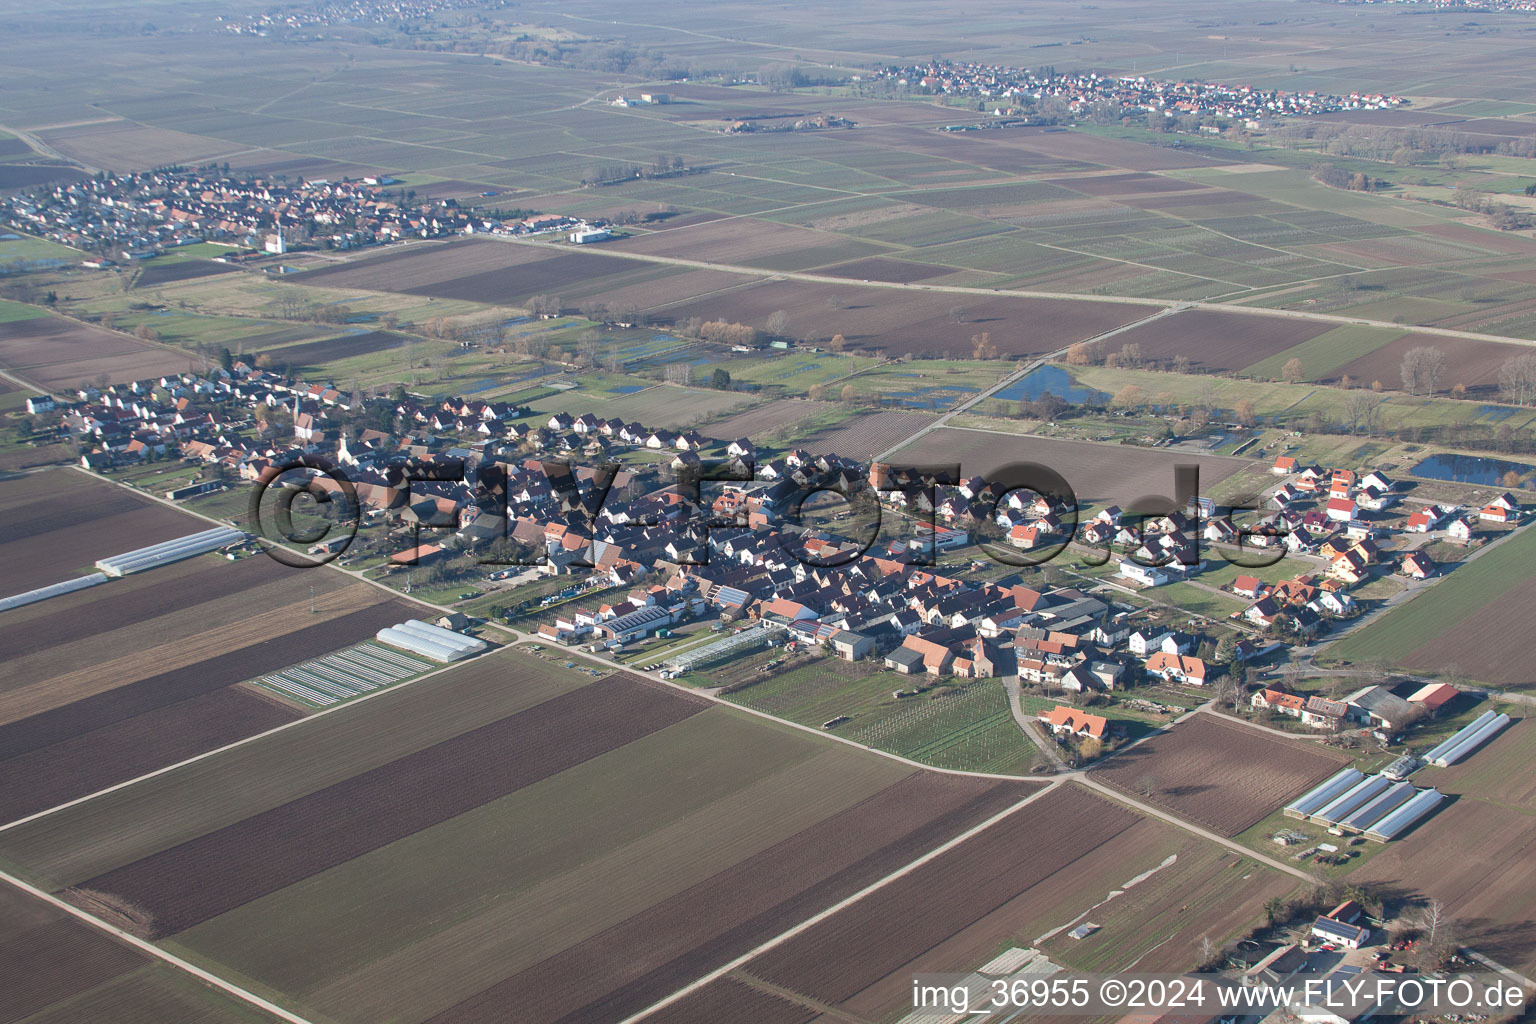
[
  {"x": 352, "y": 703},
  {"x": 152, "y": 950},
  {"x": 1172, "y": 305},
  {"x": 842, "y": 904}
]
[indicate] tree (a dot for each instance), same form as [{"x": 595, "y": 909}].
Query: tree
[
  {"x": 818, "y": 392},
  {"x": 1293, "y": 371},
  {"x": 778, "y": 323},
  {"x": 1361, "y": 410},
  {"x": 837, "y": 343},
  {"x": 144, "y": 332},
  {"x": 1147, "y": 784},
  {"x": 1273, "y": 908},
  {"x": 1245, "y": 413},
  {"x": 1422, "y": 368},
  {"x": 1517, "y": 379},
  {"x": 1130, "y": 354},
  {"x": 1228, "y": 692},
  {"x": 720, "y": 380},
  {"x": 1077, "y": 354},
  {"x": 982, "y": 346},
  {"x": 849, "y": 394},
  {"x": 1130, "y": 397}
]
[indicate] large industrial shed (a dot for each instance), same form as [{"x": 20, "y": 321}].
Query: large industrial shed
[
  {"x": 430, "y": 641},
  {"x": 157, "y": 555}
]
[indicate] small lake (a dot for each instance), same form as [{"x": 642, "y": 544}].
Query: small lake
[
  {"x": 1469, "y": 469},
  {"x": 1053, "y": 379}
]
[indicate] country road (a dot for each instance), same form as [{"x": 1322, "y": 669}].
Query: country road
[{"x": 1169, "y": 305}]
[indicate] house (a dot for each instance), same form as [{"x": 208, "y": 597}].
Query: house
[
  {"x": 1285, "y": 465},
  {"x": 1417, "y": 565},
  {"x": 1176, "y": 668},
  {"x": 1145, "y": 575},
  {"x": 1143, "y": 643},
  {"x": 1498, "y": 514},
  {"x": 1279, "y": 701},
  {"x": 1352, "y": 936},
  {"x": 1065, "y": 721},
  {"x": 1461, "y": 531},
  {"x": 1341, "y": 510},
  {"x": 1250, "y": 587},
  {"x": 1424, "y": 520},
  {"x": 1322, "y": 713}
]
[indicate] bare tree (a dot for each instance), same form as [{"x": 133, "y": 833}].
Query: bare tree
[
  {"x": 1363, "y": 410},
  {"x": 1517, "y": 379},
  {"x": 1432, "y": 919},
  {"x": 1228, "y": 692},
  {"x": 1147, "y": 784},
  {"x": 1293, "y": 371},
  {"x": 680, "y": 373},
  {"x": 1423, "y": 367},
  {"x": 778, "y": 323}
]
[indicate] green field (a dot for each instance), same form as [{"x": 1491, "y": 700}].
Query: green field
[
  {"x": 1324, "y": 354},
  {"x": 970, "y": 728},
  {"x": 1438, "y": 612}
]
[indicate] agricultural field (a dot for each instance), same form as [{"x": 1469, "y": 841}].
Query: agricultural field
[
  {"x": 1474, "y": 619},
  {"x": 1067, "y": 856},
  {"x": 864, "y": 436},
  {"x": 56, "y": 524},
  {"x": 1217, "y": 341},
  {"x": 1098, "y": 474},
  {"x": 56, "y": 353},
  {"x": 1221, "y": 775},
  {"x": 968, "y": 729},
  {"x": 58, "y": 970},
  {"x": 108, "y": 683},
  {"x": 1475, "y": 851},
  {"x": 765, "y": 421},
  {"x": 642, "y": 815}
]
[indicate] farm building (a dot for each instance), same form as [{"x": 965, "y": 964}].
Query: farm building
[
  {"x": 431, "y": 641},
  {"x": 1315, "y": 799},
  {"x": 1404, "y": 818},
  {"x": 1379, "y": 806},
  {"x": 170, "y": 551},
  {"x": 54, "y": 590},
  {"x": 1473, "y": 735},
  {"x": 1434, "y": 696}
]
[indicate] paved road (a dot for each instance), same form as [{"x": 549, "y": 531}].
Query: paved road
[
  {"x": 1030, "y": 727},
  {"x": 1022, "y": 371},
  {"x": 1171, "y": 305}
]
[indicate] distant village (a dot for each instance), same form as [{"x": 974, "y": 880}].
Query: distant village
[
  {"x": 126, "y": 217},
  {"x": 350, "y": 12},
  {"x": 653, "y": 561},
  {"x": 1019, "y": 91}
]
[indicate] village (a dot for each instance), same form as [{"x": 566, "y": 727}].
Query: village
[
  {"x": 122, "y": 218},
  {"x": 1018, "y": 91},
  {"x": 710, "y": 552}
]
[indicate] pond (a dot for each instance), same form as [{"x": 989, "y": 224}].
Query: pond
[
  {"x": 1055, "y": 380},
  {"x": 1469, "y": 469}
]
